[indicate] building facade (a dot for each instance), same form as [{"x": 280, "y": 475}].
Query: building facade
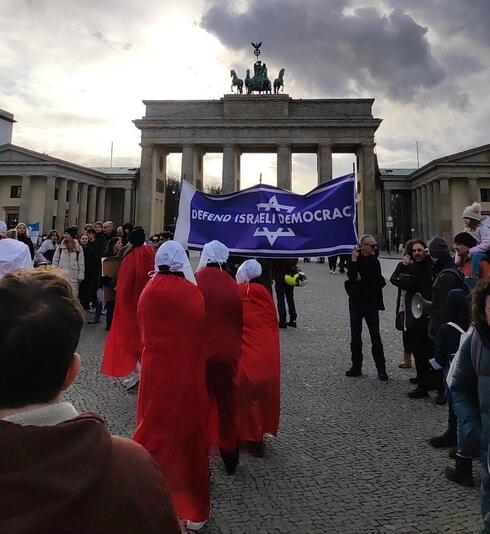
[
  {"x": 434, "y": 196},
  {"x": 37, "y": 188}
]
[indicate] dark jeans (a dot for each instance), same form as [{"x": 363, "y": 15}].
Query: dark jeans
[
  {"x": 344, "y": 262},
  {"x": 285, "y": 292},
  {"x": 371, "y": 316},
  {"x": 332, "y": 262},
  {"x": 422, "y": 348},
  {"x": 406, "y": 343}
]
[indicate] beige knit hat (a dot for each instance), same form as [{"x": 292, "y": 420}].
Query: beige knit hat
[{"x": 473, "y": 211}]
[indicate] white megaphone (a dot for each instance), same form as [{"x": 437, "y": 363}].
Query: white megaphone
[{"x": 420, "y": 307}]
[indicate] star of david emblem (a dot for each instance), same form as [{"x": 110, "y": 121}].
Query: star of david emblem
[{"x": 272, "y": 235}]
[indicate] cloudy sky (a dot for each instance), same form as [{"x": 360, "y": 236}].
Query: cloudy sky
[{"x": 74, "y": 72}]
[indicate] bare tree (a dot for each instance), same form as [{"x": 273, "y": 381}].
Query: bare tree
[{"x": 172, "y": 197}]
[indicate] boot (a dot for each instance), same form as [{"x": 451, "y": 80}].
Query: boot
[
  {"x": 257, "y": 448},
  {"x": 462, "y": 473},
  {"x": 418, "y": 393},
  {"x": 414, "y": 380},
  {"x": 406, "y": 363},
  {"x": 230, "y": 459},
  {"x": 353, "y": 371},
  {"x": 448, "y": 439}
]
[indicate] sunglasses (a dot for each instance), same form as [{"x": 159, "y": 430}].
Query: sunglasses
[
  {"x": 155, "y": 240},
  {"x": 372, "y": 246}
]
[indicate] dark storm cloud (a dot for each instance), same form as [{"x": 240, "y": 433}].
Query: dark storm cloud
[
  {"x": 469, "y": 19},
  {"x": 337, "y": 47}
]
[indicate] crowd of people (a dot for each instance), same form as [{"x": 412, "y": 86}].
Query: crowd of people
[
  {"x": 204, "y": 350},
  {"x": 203, "y": 347},
  {"x": 443, "y": 312}
]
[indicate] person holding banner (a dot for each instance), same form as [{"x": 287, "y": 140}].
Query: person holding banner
[
  {"x": 258, "y": 376},
  {"x": 172, "y": 399},
  {"x": 223, "y": 342},
  {"x": 284, "y": 291}
]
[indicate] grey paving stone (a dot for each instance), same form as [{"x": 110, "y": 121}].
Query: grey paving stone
[{"x": 352, "y": 453}]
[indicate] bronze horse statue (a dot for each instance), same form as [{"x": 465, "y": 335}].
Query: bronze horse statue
[
  {"x": 279, "y": 82},
  {"x": 236, "y": 82}
]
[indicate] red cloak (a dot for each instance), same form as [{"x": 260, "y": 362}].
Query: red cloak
[
  {"x": 172, "y": 399},
  {"x": 258, "y": 376},
  {"x": 223, "y": 342},
  {"x": 123, "y": 346}
]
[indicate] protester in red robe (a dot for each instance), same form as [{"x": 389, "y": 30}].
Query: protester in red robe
[
  {"x": 223, "y": 342},
  {"x": 172, "y": 399},
  {"x": 123, "y": 346},
  {"x": 258, "y": 377}
]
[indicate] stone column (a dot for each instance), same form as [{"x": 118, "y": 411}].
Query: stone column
[
  {"x": 49, "y": 204},
  {"x": 92, "y": 202},
  {"x": 473, "y": 191},
  {"x": 367, "y": 215},
  {"x": 231, "y": 169},
  {"x": 436, "y": 196},
  {"x": 324, "y": 163},
  {"x": 445, "y": 207},
  {"x": 188, "y": 164},
  {"x": 82, "y": 207},
  {"x": 387, "y": 213},
  {"x": 100, "y": 203},
  {"x": 72, "y": 203},
  {"x": 419, "y": 229},
  {"x": 414, "y": 222},
  {"x": 145, "y": 189},
  {"x": 127, "y": 206},
  {"x": 425, "y": 229},
  {"x": 430, "y": 210},
  {"x": 61, "y": 208},
  {"x": 284, "y": 164},
  {"x": 25, "y": 200},
  {"x": 192, "y": 165}
]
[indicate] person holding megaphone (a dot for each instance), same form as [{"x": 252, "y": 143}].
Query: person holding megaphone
[{"x": 415, "y": 278}]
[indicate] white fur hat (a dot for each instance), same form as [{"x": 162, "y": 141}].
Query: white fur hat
[{"x": 473, "y": 212}]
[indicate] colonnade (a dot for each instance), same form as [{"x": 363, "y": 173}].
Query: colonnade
[
  {"x": 431, "y": 209},
  {"x": 154, "y": 165},
  {"x": 72, "y": 202}
]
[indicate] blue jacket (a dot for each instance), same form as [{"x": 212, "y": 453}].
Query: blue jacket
[{"x": 470, "y": 388}]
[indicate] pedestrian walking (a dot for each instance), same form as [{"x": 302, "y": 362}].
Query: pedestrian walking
[
  {"x": 258, "y": 376},
  {"x": 172, "y": 399},
  {"x": 224, "y": 318}
]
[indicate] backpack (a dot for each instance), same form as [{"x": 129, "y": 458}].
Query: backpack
[{"x": 475, "y": 353}]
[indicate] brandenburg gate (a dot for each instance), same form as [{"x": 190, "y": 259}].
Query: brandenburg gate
[{"x": 255, "y": 123}]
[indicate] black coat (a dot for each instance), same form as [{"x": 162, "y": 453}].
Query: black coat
[
  {"x": 414, "y": 278},
  {"x": 365, "y": 283},
  {"x": 28, "y": 241},
  {"x": 447, "y": 277}
]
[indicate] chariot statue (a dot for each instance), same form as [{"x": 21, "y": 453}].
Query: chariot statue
[{"x": 259, "y": 82}]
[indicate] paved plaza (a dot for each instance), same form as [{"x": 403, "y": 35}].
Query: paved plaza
[{"x": 352, "y": 454}]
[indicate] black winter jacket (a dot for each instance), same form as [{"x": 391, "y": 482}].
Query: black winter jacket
[
  {"x": 447, "y": 276},
  {"x": 414, "y": 278},
  {"x": 365, "y": 283}
]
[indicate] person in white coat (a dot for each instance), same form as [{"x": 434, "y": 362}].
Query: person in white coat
[
  {"x": 69, "y": 258},
  {"x": 13, "y": 254}
]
